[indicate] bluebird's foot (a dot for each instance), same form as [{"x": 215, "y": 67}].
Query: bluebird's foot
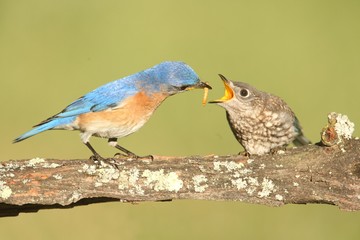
[
  {"x": 128, "y": 154},
  {"x": 95, "y": 157},
  {"x": 98, "y": 159}
]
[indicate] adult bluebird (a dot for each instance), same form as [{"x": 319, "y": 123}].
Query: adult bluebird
[
  {"x": 121, "y": 107},
  {"x": 260, "y": 121}
]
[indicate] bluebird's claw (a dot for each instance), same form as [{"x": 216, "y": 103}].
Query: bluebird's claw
[
  {"x": 98, "y": 161},
  {"x": 96, "y": 158}
]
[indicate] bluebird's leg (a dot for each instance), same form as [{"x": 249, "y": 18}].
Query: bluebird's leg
[
  {"x": 113, "y": 142},
  {"x": 96, "y": 156}
]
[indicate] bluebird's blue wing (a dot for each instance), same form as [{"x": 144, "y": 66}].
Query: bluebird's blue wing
[{"x": 104, "y": 97}]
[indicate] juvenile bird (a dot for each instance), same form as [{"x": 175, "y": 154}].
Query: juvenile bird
[
  {"x": 260, "y": 121},
  {"x": 121, "y": 107}
]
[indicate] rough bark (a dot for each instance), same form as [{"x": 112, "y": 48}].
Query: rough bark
[{"x": 310, "y": 174}]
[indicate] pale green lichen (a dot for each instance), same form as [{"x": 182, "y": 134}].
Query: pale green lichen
[
  {"x": 51, "y": 165},
  {"x": 159, "y": 181},
  {"x": 343, "y": 126},
  {"x": 279, "y": 197},
  {"x": 34, "y": 161},
  {"x": 57, "y": 176},
  {"x": 25, "y": 181},
  {"x": 249, "y": 161},
  {"x": 202, "y": 168},
  {"x": 245, "y": 171},
  {"x": 9, "y": 166},
  {"x": 128, "y": 180},
  {"x": 42, "y": 162},
  {"x": 124, "y": 179},
  {"x": 105, "y": 175},
  {"x": 239, "y": 183},
  {"x": 280, "y": 152},
  {"x": 228, "y": 165},
  {"x": 133, "y": 175},
  {"x": 7, "y": 175},
  {"x": 253, "y": 183},
  {"x": 5, "y": 191},
  {"x": 200, "y": 183},
  {"x": 89, "y": 169},
  {"x": 75, "y": 196},
  {"x": 250, "y": 184},
  {"x": 250, "y": 190},
  {"x": 267, "y": 187}
]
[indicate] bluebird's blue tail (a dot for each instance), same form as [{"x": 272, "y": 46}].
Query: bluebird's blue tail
[{"x": 48, "y": 124}]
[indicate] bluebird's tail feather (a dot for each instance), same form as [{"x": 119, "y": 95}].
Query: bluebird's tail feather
[{"x": 48, "y": 124}]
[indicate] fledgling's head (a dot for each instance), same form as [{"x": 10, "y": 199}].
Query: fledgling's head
[
  {"x": 174, "y": 77},
  {"x": 239, "y": 97}
]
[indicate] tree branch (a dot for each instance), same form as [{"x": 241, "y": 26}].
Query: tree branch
[{"x": 311, "y": 174}]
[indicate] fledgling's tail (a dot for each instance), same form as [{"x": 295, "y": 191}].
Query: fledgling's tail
[
  {"x": 301, "y": 140},
  {"x": 48, "y": 124}
]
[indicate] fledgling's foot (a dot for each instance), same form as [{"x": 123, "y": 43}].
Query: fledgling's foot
[
  {"x": 278, "y": 150},
  {"x": 244, "y": 153}
]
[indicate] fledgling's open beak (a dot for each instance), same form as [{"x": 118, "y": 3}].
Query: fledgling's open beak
[
  {"x": 229, "y": 92},
  {"x": 199, "y": 85}
]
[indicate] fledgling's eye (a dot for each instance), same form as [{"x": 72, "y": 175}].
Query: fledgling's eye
[{"x": 244, "y": 92}]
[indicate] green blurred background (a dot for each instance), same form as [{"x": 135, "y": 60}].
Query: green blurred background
[{"x": 52, "y": 52}]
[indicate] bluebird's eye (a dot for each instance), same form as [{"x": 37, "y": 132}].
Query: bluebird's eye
[
  {"x": 244, "y": 92},
  {"x": 183, "y": 88}
]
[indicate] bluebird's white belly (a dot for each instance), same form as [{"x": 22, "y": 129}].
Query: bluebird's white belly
[{"x": 113, "y": 130}]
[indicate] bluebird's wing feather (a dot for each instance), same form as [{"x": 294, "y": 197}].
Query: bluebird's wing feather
[{"x": 102, "y": 98}]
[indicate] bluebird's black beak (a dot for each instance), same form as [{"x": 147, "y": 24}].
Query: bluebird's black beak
[
  {"x": 199, "y": 85},
  {"x": 229, "y": 92}
]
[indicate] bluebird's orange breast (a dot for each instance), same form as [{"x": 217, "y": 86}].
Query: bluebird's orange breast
[{"x": 127, "y": 117}]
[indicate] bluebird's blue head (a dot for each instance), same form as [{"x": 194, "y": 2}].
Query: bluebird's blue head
[{"x": 172, "y": 77}]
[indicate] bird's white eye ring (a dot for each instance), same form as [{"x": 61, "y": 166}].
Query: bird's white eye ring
[{"x": 244, "y": 92}]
